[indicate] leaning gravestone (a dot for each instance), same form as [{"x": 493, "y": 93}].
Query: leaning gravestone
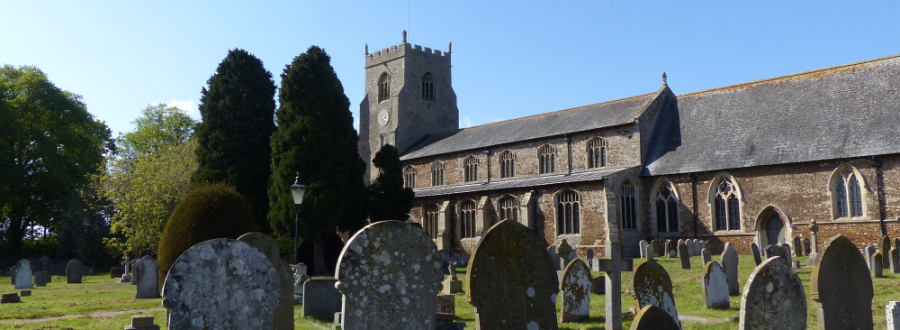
[
  {"x": 684, "y": 255},
  {"x": 729, "y": 260},
  {"x": 892, "y": 314},
  {"x": 757, "y": 258},
  {"x": 221, "y": 284},
  {"x": 715, "y": 287},
  {"x": 509, "y": 264},
  {"x": 870, "y": 250},
  {"x": 576, "y": 292},
  {"x": 148, "y": 287},
  {"x": 389, "y": 274},
  {"x": 23, "y": 275},
  {"x": 877, "y": 269},
  {"x": 773, "y": 298},
  {"x": 73, "y": 271},
  {"x": 283, "y": 318},
  {"x": 842, "y": 286},
  {"x": 653, "y": 286},
  {"x": 653, "y": 318},
  {"x": 894, "y": 256}
]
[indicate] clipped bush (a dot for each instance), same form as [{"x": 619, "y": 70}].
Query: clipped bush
[{"x": 207, "y": 212}]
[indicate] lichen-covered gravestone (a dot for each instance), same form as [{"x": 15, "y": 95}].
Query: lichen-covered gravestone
[
  {"x": 653, "y": 286},
  {"x": 684, "y": 255},
  {"x": 148, "y": 287},
  {"x": 576, "y": 292},
  {"x": 73, "y": 271},
  {"x": 23, "y": 275},
  {"x": 757, "y": 258},
  {"x": 715, "y": 286},
  {"x": 773, "y": 298},
  {"x": 892, "y": 315},
  {"x": 729, "y": 260},
  {"x": 221, "y": 284},
  {"x": 389, "y": 274},
  {"x": 706, "y": 255},
  {"x": 511, "y": 284},
  {"x": 653, "y": 318},
  {"x": 842, "y": 286},
  {"x": 283, "y": 318}
]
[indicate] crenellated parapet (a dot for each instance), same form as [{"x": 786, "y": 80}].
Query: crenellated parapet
[{"x": 406, "y": 49}]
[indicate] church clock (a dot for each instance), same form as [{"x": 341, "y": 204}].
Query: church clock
[{"x": 383, "y": 117}]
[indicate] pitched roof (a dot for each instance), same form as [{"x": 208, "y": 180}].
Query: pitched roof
[
  {"x": 588, "y": 117},
  {"x": 839, "y": 112},
  {"x": 543, "y": 180}
]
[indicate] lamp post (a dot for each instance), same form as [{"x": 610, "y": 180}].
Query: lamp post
[{"x": 297, "y": 191}]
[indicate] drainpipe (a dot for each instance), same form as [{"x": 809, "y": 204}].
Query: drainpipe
[
  {"x": 487, "y": 154},
  {"x": 694, "y": 202},
  {"x": 879, "y": 187},
  {"x": 569, "y": 152}
]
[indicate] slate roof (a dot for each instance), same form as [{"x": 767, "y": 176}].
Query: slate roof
[
  {"x": 543, "y": 180},
  {"x": 840, "y": 112},
  {"x": 588, "y": 117}
]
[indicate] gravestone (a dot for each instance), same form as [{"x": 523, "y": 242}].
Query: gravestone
[
  {"x": 870, "y": 250},
  {"x": 715, "y": 286},
  {"x": 642, "y": 247},
  {"x": 590, "y": 259},
  {"x": 797, "y": 246},
  {"x": 653, "y": 318},
  {"x": 684, "y": 255},
  {"x": 12, "y": 274},
  {"x": 148, "y": 287},
  {"x": 773, "y": 250},
  {"x": 806, "y": 250},
  {"x": 895, "y": 260},
  {"x": 706, "y": 255},
  {"x": 23, "y": 275},
  {"x": 283, "y": 318},
  {"x": 115, "y": 272},
  {"x": 787, "y": 253},
  {"x": 892, "y": 314},
  {"x": 26, "y": 293},
  {"x": 614, "y": 266},
  {"x": 877, "y": 263},
  {"x": 43, "y": 263},
  {"x": 754, "y": 249},
  {"x": 220, "y": 284},
  {"x": 652, "y": 286},
  {"x": 511, "y": 283},
  {"x": 320, "y": 299},
  {"x": 729, "y": 260},
  {"x": 41, "y": 278},
  {"x": 678, "y": 245},
  {"x": 696, "y": 247},
  {"x": 654, "y": 245},
  {"x": 576, "y": 292},
  {"x": 451, "y": 284},
  {"x": 300, "y": 277},
  {"x": 842, "y": 287},
  {"x": 598, "y": 284},
  {"x": 885, "y": 249},
  {"x": 814, "y": 243},
  {"x": 565, "y": 252},
  {"x": 389, "y": 274},
  {"x": 10, "y": 298},
  {"x": 142, "y": 322},
  {"x": 670, "y": 249},
  {"x": 73, "y": 271},
  {"x": 773, "y": 298}
]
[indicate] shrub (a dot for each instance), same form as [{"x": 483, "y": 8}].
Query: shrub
[{"x": 207, "y": 212}]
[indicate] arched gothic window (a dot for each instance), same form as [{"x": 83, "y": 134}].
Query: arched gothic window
[
  {"x": 509, "y": 208},
  {"x": 567, "y": 212},
  {"x": 629, "y": 220},
  {"x": 507, "y": 164},
  {"x": 437, "y": 174},
  {"x": 666, "y": 210},
  {"x": 596, "y": 152},
  {"x": 470, "y": 166},
  {"x": 384, "y": 87},
  {"x": 847, "y": 194},
  {"x": 727, "y": 207},
  {"x": 409, "y": 177},
  {"x": 431, "y": 220},
  {"x": 467, "y": 219},
  {"x": 428, "y": 87},
  {"x": 547, "y": 159}
]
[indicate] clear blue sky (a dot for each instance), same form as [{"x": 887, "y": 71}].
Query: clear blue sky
[{"x": 510, "y": 58}]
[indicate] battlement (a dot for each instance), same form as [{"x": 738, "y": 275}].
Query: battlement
[{"x": 403, "y": 49}]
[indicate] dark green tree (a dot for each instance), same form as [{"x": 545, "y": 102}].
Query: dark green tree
[
  {"x": 315, "y": 137},
  {"x": 233, "y": 137},
  {"x": 388, "y": 199}
]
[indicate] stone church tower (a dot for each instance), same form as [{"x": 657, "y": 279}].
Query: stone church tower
[{"x": 409, "y": 98}]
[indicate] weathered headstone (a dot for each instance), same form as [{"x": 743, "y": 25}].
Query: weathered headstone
[
  {"x": 697, "y": 246},
  {"x": 787, "y": 253},
  {"x": 650, "y": 252},
  {"x": 576, "y": 292},
  {"x": 870, "y": 250},
  {"x": 283, "y": 317},
  {"x": 671, "y": 249},
  {"x": 814, "y": 243},
  {"x": 142, "y": 322},
  {"x": 885, "y": 249},
  {"x": 654, "y": 245},
  {"x": 754, "y": 249},
  {"x": 797, "y": 246},
  {"x": 652, "y": 286},
  {"x": 877, "y": 263},
  {"x": 10, "y": 298},
  {"x": 598, "y": 284},
  {"x": 892, "y": 314},
  {"x": 773, "y": 298},
  {"x": 388, "y": 273},
  {"x": 678, "y": 244},
  {"x": 23, "y": 275},
  {"x": 842, "y": 286},
  {"x": 451, "y": 284},
  {"x": 684, "y": 256},
  {"x": 729, "y": 260},
  {"x": 221, "y": 284},
  {"x": 895, "y": 260},
  {"x": 26, "y": 293},
  {"x": 773, "y": 250},
  {"x": 652, "y": 317},
  {"x": 73, "y": 271},
  {"x": 509, "y": 263},
  {"x": 41, "y": 278},
  {"x": 706, "y": 255},
  {"x": 806, "y": 249},
  {"x": 320, "y": 299},
  {"x": 148, "y": 286},
  {"x": 715, "y": 286},
  {"x": 642, "y": 247},
  {"x": 565, "y": 252}
]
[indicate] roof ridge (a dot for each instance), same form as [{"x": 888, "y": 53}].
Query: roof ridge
[{"x": 788, "y": 76}]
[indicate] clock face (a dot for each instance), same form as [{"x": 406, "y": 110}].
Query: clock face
[{"x": 383, "y": 117}]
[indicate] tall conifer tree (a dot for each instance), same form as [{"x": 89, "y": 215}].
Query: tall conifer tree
[
  {"x": 315, "y": 137},
  {"x": 388, "y": 199},
  {"x": 233, "y": 137}
]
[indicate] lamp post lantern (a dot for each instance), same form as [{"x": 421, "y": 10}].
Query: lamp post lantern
[{"x": 297, "y": 191}]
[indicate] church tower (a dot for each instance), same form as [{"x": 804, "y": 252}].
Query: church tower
[{"x": 409, "y": 97}]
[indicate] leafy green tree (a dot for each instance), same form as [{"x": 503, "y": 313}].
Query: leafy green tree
[
  {"x": 158, "y": 128},
  {"x": 51, "y": 145},
  {"x": 315, "y": 137},
  {"x": 388, "y": 199},
  {"x": 233, "y": 137}
]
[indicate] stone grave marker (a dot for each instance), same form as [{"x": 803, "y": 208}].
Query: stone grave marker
[
  {"x": 806, "y": 250},
  {"x": 451, "y": 284},
  {"x": 892, "y": 314},
  {"x": 729, "y": 261},
  {"x": 73, "y": 271},
  {"x": 12, "y": 274},
  {"x": 389, "y": 274},
  {"x": 283, "y": 318},
  {"x": 642, "y": 246},
  {"x": 670, "y": 249},
  {"x": 696, "y": 246},
  {"x": 654, "y": 245},
  {"x": 115, "y": 272},
  {"x": 614, "y": 266},
  {"x": 148, "y": 287},
  {"x": 576, "y": 292},
  {"x": 797, "y": 246},
  {"x": 773, "y": 250},
  {"x": 598, "y": 284},
  {"x": 653, "y": 318},
  {"x": 814, "y": 243},
  {"x": 43, "y": 263},
  {"x": 320, "y": 299},
  {"x": 754, "y": 249},
  {"x": 652, "y": 286},
  {"x": 842, "y": 287},
  {"x": 23, "y": 275},
  {"x": 41, "y": 278},
  {"x": 679, "y": 243},
  {"x": 565, "y": 252},
  {"x": 300, "y": 277},
  {"x": 590, "y": 258},
  {"x": 221, "y": 284},
  {"x": 706, "y": 255},
  {"x": 684, "y": 255},
  {"x": 894, "y": 260},
  {"x": 773, "y": 298},
  {"x": 10, "y": 298},
  {"x": 870, "y": 250},
  {"x": 787, "y": 253},
  {"x": 877, "y": 263},
  {"x": 26, "y": 293},
  {"x": 142, "y": 322},
  {"x": 715, "y": 287},
  {"x": 885, "y": 249},
  {"x": 509, "y": 263}
]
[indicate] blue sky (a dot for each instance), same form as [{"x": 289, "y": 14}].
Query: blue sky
[{"x": 510, "y": 58}]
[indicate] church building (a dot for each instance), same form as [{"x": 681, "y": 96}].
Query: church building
[{"x": 753, "y": 162}]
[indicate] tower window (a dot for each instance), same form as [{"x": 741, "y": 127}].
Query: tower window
[
  {"x": 547, "y": 159},
  {"x": 428, "y": 87},
  {"x": 629, "y": 220},
  {"x": 384, "y": 87},
  {"x": 596, "y": 152},
  {"x": 409, "y": 177},
  {"x": 509, "y": 209},
  {"x": 507, "y": 164},
  {"x": 467, "y": 219},
  {"x": 471, "y": 169},
  {"x": 567, "y": 212},
  {"x": 437, "y": 174},
  {"x": 431, "y": 220}
]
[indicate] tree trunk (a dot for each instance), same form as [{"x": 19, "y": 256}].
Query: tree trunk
[
  {"x": 14, "y": 234},
  {"x": 319, "y": 266}
]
